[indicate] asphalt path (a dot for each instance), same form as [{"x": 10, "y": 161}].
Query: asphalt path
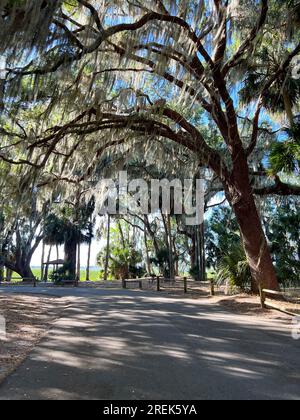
[{"x": 122, "y": 344}]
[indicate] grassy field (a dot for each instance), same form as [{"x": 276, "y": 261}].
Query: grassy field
[{"x": 94, "y": 274}]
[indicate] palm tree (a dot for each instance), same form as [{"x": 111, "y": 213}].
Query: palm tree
[
  {"x": 282, "y": 97},
  {"x": 70, "y": 228}
]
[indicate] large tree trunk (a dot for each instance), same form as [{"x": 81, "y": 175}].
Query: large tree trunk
[
  {"x": 22, "y": 268},
  {"x": 18, "y": 258},
  {"x": 255, "y": 245},
  {"x": 241, "y": 198},
  {"x": 25, "y": 271},
  {"x": 71, "y": 257}
]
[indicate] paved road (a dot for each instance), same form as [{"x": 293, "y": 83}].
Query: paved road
[{"x": 136, "y": 345}]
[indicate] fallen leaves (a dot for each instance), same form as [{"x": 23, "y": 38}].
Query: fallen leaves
[{"x": 27, "y": 318}]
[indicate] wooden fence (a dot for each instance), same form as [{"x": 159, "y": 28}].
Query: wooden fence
[
  {"x": 264, "y": 293},
  {"x": 162, "y": 283}
]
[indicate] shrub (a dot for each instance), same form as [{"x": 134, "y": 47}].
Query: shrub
[
  {"x": 62, "y": 274},
  {"x": 234, "y": 267}
]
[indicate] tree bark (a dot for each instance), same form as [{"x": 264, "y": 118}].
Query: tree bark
[
  {"x": 107, "y": 249},
  {"x": 57, "y": 255},
  {"x": 199, "y": 254},
  {"x": 25, "y": 271},
  {"x": 193, "y": 251},
  {"x": 88, "y": 265},
  {"x": 203, "y": 256},
  {"x": 71, "y": 257},
  {"x": 168, "y": 235},
  {"x": 241, "y": 198},
  {"x": 46, "y": 271},
  {"x": 256, "y": 246},
  {"x": 78, "y": 262},
  {"x": 122, "y": 237},
  {"x": 42, "y": 260},
  {"x": 19, "y": 260},
  {"x": 176, "y": 257},
  {"x": 154, "y": 240},
  {"x": 171, "y": 253},
  {"x": 148, "y": 263},
  {"x": 22, "y": 268},
  {"x": 8, "y": 275}
]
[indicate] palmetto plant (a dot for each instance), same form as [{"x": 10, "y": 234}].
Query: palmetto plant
[
  {"x": 124, "y": 262},
  {"x": 234, "y": 267}
]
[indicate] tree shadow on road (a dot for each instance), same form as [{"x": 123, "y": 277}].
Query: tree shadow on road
[{"x": 138, "y": 346}]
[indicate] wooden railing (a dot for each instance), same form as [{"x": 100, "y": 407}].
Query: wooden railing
[
  {"x": 267, "y": 305},
  {"x": 161, "y": 281}
]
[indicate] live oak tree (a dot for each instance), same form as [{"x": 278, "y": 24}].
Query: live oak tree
[
  {"x": 123, "y": 74},
  {"x": 21, "y": 226}
]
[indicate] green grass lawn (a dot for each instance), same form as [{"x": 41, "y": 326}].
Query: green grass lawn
[{"x": 94, "y": 274}]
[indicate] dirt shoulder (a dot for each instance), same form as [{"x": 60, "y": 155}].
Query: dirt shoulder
[
  {"x": 242, "y": 304},
  {"x": 250, "y": 305},
  {"x": 28, "y": 318}
]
